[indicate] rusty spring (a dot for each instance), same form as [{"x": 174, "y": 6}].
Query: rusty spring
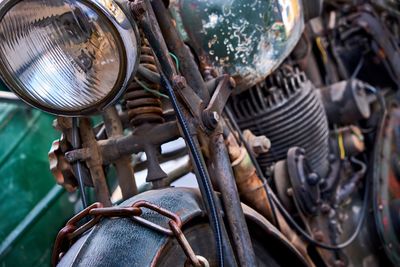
[{"x": 142, "y": 104}]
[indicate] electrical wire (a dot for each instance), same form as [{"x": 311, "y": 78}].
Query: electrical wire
[
  {"x": 341, "y": 145},
  {"x": 176, "y": 59},
  {"x": 205, "y": 179},
  {"x": 364, "y": 207},
  {"x": 154, "y": 92},
  {"x": 78, "y": 165},
  {"x": 311, "y": 240}
]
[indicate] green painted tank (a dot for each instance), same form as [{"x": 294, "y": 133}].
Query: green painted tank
[{"x": 32, "y": 208}]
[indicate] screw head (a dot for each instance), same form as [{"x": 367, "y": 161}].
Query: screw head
[{"x": 179, "y": 82}]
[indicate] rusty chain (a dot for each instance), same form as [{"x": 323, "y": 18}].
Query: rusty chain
[{"x": 97, "y": 211}]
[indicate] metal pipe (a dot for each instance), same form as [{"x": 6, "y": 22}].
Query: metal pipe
[
  {"x": 95, "y": 163},
  {"x": 188, "y": 65},
  {"x": 231, "y": 202},
  {"x": 113, "y": 148},
  {"x": 125, "y": 173}
]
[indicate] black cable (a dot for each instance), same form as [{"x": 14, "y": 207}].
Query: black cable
[
  {"x": 254, "y": 161},
  {"x": 205, "y": 179},
  {"x": 78, "y": 165}
]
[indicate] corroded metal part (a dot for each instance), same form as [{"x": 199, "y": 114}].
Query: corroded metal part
[
  {"x": 125, "y": 173},
  {"x": 252, "y": 192},
  {"x": 188, "y": 64},
  {"x": 61, "y": 168},
  {"x": 120, "y": 242},
  {"x": 259, "y": 144},
  {"x": 113, "y": 148},
  {"x": 247, "y": 40},
  {"x": 225, "y": 179},
  {"x": 386, "y": 193},
  {"x": 95, "y": 162},
  {"x": 346, "y": 102}
]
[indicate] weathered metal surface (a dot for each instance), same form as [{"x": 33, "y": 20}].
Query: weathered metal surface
[
  {"x": 94, "y": 162},
  {"x": 247, "y": 40},
  {"x": 188, "y": 64},
  {"x": 225, "y": 179},
  {"x": 125, "y": 173},
  {"x": 120, "y": 242},
  {"x": 346, "y": 102},
  {"x": 113, "y": 148},
  {"x": 60, "y": 167},
  {"x": 252, "y": 192},
  {"x": 287, "y": 109},
  {"x": 386, "y": 186},
  {"x": 218, "y": 101}
]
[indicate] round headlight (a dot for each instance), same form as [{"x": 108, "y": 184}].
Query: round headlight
[{"x": 68, "y": 57}]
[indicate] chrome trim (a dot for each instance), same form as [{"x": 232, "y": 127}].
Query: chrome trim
[{"x": 125, "y": 30}]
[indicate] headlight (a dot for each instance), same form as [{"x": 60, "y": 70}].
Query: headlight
[{"x": 68, "y": 57}]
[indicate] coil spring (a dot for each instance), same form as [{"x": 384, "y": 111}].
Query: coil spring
[{"x": 143, "y": 106}]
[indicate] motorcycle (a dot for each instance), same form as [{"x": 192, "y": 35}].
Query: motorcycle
[{"x": 288, "y": 108}]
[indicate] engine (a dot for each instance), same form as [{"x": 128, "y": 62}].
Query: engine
[{"x": 288, "y": 110}]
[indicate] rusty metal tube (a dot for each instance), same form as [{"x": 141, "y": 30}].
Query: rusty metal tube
[
  {"x": 123, "y": 166},
  {"x": 177, "y": 46},
  {"x": 252, "y": 193},
  {"x": 231, "y": 202},
  {"x": 95, "y": 162}
]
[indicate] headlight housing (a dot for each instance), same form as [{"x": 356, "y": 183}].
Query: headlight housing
[{"x": 67, "y": 57}]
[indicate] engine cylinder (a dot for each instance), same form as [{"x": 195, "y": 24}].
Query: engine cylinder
[{"x": 286, "y": 109}]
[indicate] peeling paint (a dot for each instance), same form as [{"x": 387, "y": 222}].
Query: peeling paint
[{"x": 246, "y": 39}]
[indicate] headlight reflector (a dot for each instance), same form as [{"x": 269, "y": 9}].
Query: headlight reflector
[{"x": 67, "y": 57}]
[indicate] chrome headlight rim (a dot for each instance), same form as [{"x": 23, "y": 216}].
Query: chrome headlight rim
[{"x": 128, "y": 42}]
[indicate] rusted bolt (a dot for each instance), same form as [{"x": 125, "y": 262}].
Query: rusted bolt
[
  {"x": 179, "y": 82},
  {"x": 259, "y": 144}
]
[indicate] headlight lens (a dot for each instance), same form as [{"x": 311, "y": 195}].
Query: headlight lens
[{"x": 65, "y": 56}]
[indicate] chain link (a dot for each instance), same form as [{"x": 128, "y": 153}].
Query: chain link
[{"x": 71, "y": 231}]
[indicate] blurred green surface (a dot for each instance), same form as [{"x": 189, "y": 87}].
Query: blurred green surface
[{"x": 25, "y": 181}]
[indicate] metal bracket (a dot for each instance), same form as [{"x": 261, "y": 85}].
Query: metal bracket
[{"x": 218, "y": 101}]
